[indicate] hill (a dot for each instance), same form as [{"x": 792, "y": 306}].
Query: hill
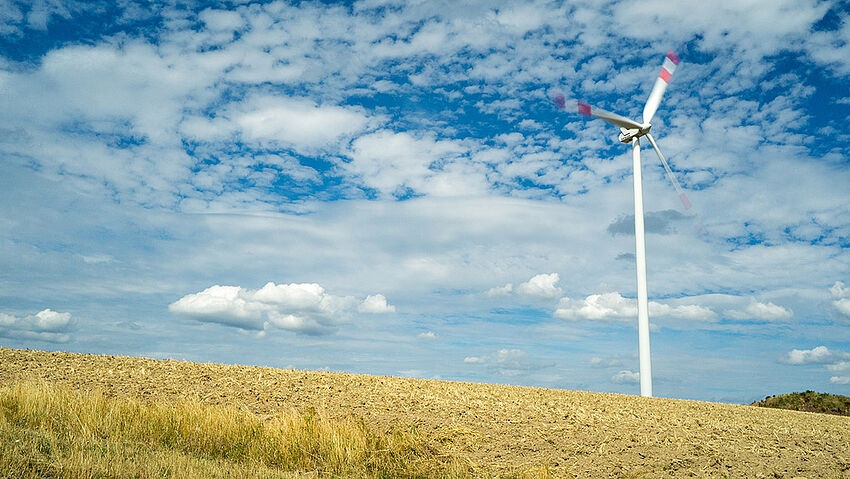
[
  {"x": 809, "y": 401},
  {"x": 498, "y": 430}
]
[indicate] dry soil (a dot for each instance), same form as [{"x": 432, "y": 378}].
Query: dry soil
[{"x": 499, "y": 429}]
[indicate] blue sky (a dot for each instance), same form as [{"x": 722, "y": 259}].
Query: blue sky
[{"x": 385, "y": 187}]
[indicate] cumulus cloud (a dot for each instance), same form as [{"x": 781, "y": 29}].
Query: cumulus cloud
[
  {"x": 834, "y": 360},
  {"x": 509, "y": 362},
  {"x": 609, "y": 361},
  {"x": 841, "y": 298},
  {"x": 221, "y": 20},
  {"x": 603, "y": 307},
  {"x": 499, "y": 291},
  {"x": 299, "y": 122},
  {"x": 375, "y": 303},
  {"x": 838, "y": 290},
  {"x": 816, "y": 355},
  {"x": 761, "y": 311},
  {"x": 541, "y": 286},
  {"x": 428, "y": 336},
  {"x": 229, "y": 305},
  {"x": 613, "y": 306},
  {"x": 626, "y": 377},
  {"x": 393, "y": 163},
  {"x": 46, "y": 325},
  {"x": 839, "y": 366},
  {"x": 301, "y": 307},
  {"x": 686, "y": 311}
]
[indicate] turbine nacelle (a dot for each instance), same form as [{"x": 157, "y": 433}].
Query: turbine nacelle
[{"x": 628, "y": 134}]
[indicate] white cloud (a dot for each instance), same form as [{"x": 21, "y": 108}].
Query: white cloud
[
  {"x": 299, "y": 122},
  {"x": 842, "y": 305},
  {"x": 509, "y": 362},
  {"x": 231, "y": 305},
  {"x": 221, "y": 20},
  {"x": 46, "y": 325},
  {"x": 299, "y": 296},
  {"x": 97, "y": 258},
  {"x": 541, "y": 286},
  {"x": 686, "y": 311},
  {"x": 839, "y": 366},
  {"x": 48, "y": 320},
  {"x": 41, "y": 12},
  {"x": 82, "y": 102},
  {"x": 428, "y": 336},
  {"x": 607, "y": 362},
  {"x": 761, "y": 311},
  {"x": 300, "y": 307},
  {"x": 389, "y": 162},
  {"x": 499, "y": 291},
  {"x": 522, "y": 18},
  {"x": 530, "y": 125},
  {"x": 834, "y": 360},
  {"x": 376, "y": 303},
  {"x": 752, "y": 29},
  {"x": 626, "y": 377},
  {"x": 612, "y": 306},
  {"x": 841, "y": 296},
  {"x": 816, "y": 355},
  {"x": 602, "y": 307}
]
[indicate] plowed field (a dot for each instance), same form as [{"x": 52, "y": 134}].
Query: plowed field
[{"x": 499, "y": 429}]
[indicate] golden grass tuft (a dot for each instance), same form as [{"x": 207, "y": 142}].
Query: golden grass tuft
[{"x": 46, "y": 431}]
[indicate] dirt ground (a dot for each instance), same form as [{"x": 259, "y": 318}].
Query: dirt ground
[{"x": 498, "y": 428}]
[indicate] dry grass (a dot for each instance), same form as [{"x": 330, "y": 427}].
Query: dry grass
[
  {"x": 46, "y": 431},
  {"x": 499, "y": 430}
]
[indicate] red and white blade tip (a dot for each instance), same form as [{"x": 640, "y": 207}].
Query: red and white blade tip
[
  {"x": 673, "y": 57},
  {"x": 561, "y": 104},
  {"x": 669, "y": 66},
  {"x": 685, "y": 201},
  {"x": 560, "y": 101}
]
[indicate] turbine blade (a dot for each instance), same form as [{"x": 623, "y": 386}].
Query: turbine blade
[
  {"x": 667, "y": 69},
  {"x": 579, "y": 106},
  {"x": 682, "y": 196}
]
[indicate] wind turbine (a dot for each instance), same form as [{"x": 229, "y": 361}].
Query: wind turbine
[{"x": 630, "y": 132}]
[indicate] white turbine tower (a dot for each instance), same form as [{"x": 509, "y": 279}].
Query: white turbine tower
[{"x": 630, "y": 132}]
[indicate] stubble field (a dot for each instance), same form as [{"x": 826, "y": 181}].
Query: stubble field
[{"x": 498, "y": 430}]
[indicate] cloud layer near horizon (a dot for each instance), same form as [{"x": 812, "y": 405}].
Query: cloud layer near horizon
[
  {"x": 46, "y": 325},
  {"x": 835, "y": 361}
]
